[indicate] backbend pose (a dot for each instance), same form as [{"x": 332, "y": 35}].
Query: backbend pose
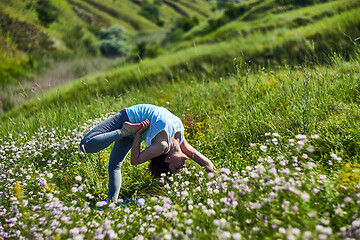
[{"x": 163, "y": 133}]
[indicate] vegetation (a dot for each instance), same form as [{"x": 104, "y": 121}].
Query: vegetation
[
  {"x": 113, "y": 42},
  {"x": 271, "y": 99}
]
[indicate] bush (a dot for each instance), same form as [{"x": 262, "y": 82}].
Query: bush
[
  {"x": 144, "y": 50},
  {"x": 113, "y": 42},
  {"x": 151, "y": 11},
  {"x": 81, "y": 41},
  {"x": 181, "y": 25},
  {"x": 46, "y": 11}
]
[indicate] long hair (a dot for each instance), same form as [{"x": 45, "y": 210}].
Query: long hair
[{"x": 158, "y": 166}]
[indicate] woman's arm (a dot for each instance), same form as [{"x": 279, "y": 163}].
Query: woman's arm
[
  {"x": 154, "y": 150},
  {"x": 196, "y": 156}
]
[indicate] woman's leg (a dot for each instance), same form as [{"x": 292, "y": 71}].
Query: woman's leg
[
  {"x": 118, "y": 154},
  {"x": 104, "y": 133}
]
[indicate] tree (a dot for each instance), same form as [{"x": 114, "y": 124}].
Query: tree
[{"x": 113, "y": 42}]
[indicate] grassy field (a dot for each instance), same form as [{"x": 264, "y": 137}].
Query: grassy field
[{"x": 277, "y": 112}]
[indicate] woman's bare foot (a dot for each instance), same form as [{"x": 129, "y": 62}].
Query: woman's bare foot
[{"x": 129, "y": 128}]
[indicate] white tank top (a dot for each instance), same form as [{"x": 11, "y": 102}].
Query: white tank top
[{"x": 160, "y": 119}]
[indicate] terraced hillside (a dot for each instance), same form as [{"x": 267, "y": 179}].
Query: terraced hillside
[{"x": 30, "y": 30}]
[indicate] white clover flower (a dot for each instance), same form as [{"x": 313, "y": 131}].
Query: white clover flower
[
  {"x": 184, "y": 193},
  {"x": 305, "y": 197},
  {"x": 263, "y": 148},
  {"x": 310, "y": 149},
  {"x": 315, "y": 136},
  {"x": 141, "y": 201},
  {"x": 78, "y": 178},
  {"x": 50, "y": 175},
  {"x": 252, "y": 145},
  {"x": 300, "y": 137},
  {"x": 188, "y": 221},
  {"x": 225, "y": 170},
  {"x": 236, "y": 236}
]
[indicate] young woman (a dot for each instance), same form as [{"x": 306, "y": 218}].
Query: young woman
[{"x": 162, "y": 132}]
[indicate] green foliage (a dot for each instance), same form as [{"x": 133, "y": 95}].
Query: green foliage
[
  {"x": 113, "y": 42},
  {"x": 80, "y": 41},
  {"x": 221, "y": 4},
  {"x": 181, "y": 26},
  {"x": 144, "y": 50},
  {"x": 231, "y": 12},
  {"x": 151, "y": 11},
  {"x": 300, "y": 2},
  {"x": 46, "y": 11}
]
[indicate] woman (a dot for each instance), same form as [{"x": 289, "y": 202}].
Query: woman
[{"x": 163, "y": 133}]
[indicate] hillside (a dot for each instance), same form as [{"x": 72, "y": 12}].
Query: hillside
[
  {"x": 33, "y": 31},
  {"x": 276, "y": 39}
]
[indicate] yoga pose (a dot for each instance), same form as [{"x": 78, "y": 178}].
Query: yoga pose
[{"x": 162, "y": 132}]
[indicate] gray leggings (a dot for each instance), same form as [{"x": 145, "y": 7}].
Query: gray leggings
[{"x": 101, "y": 137}]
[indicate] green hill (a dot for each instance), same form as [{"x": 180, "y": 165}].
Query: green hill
[{"x": 34, "y": 31}]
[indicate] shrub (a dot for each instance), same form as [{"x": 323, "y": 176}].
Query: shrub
[
  {"x": 144, "y": 50},
  {"x": 113, "y": 42},
  {"x": 80, "y": 41},
  {"x": 46, "y": 11},
  {"x": 181, "y": 25},
  {"x": 151, "y": 11}
]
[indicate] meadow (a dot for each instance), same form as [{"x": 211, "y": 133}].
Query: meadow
[
  {"x": 274, "y": 106},
  {"x": 285, "y": 142}
]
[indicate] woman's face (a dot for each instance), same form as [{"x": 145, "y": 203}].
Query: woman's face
[{"x": 176, "y": 160}]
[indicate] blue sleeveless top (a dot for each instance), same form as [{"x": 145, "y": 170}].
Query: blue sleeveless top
[{"x": 160, "y": 119}]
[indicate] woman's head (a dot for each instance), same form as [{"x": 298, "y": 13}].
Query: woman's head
[
  {"x": 171, "y": 162},
  {"x": 176, "y": 160},
  {"x": 158, "y": 166}
]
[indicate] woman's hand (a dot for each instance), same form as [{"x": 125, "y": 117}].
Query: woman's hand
[{"x": 144, "y": 125}]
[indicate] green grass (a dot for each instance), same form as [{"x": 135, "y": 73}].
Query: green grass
[
  {"x": 288, "y": 20},
  {"x": 222, "y": 116},
  {"x": 300, "y": 80}
]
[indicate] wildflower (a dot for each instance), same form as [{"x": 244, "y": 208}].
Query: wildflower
[
  {"x": 101, "y": 204},
  {"x": 315, "y": 136},
  {"x": 300, "y": 137},
  {"x": 252, "y": 145},
  {"x": 184, "y": 193},
  {"x": 78, "y": 178},
  {"x": 188, "y": 221},
  {"x": 263, "y": 148},
  {"x": 310, "y": 149},
  {"x": 236, "y": 236},
  {"x": 210, "y": 202},
  {"x": 305, "y": 197},
  {"x": 49, "y": 175},
  {"x": 225, "y": 170},
  {"x": 141, "y": 201}
]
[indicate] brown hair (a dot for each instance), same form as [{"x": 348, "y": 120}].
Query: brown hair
[{"x": 158, "y": 166}]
